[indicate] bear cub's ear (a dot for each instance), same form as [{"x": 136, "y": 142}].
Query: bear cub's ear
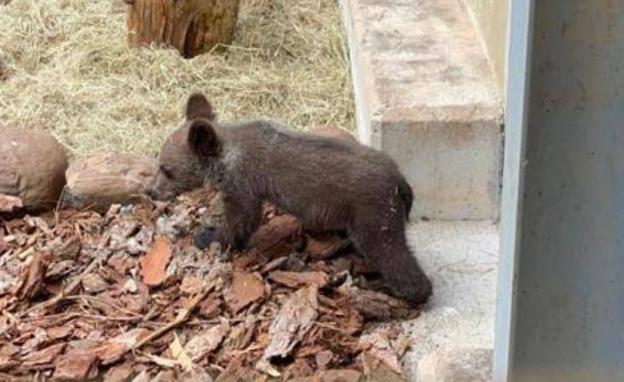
[
  {"x": 203, "y": 139},
  {"x": 198, "y": 106}
]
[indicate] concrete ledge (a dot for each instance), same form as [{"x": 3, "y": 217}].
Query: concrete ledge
[
  {"x": 425, "y": 94},
  {"x": 461, "y": 259},
  {"x": 456, "y": 365}
]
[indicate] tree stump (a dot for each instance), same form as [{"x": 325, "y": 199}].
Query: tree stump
[{"x": 192, "y": 27}]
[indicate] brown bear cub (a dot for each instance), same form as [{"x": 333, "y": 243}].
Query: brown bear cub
[{"x": 329, "y": 184}]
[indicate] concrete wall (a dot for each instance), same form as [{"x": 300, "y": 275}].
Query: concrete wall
[
  {"x": 425, "y": 95},
  {"x": 491, "y": 16}
]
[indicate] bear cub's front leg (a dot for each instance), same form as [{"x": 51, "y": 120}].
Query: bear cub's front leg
[{"x": 243, "y": 215}]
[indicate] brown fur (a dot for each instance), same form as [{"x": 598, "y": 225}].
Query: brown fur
[
  {"x": 333, "y": 132},
  {"x": 329, "y": 184}
]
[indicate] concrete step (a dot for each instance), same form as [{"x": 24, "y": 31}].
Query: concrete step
[
  {"x": 453, "y": 337},
  {"x": 425, "y": 93}
]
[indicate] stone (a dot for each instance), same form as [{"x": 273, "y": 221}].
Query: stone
[
  {"x": 32, "y": 167},
  {"x": 103, "y": 179},
  {"x": 456, "y": 365}
]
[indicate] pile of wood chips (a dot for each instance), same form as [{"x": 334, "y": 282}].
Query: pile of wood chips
[{"x": 126, "y": 297}]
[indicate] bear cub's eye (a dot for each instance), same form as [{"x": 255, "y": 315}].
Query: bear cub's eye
[{"x": 166, "y": 172}]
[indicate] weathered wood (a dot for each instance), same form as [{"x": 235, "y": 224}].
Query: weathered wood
[{"x": 191, "y": 26}]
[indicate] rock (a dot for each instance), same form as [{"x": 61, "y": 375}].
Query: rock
[
  {"x": 456, "y": 365},
  {"x": 104, "y": 179},
  {"x": 333, "y": 132},
  {"x": 32, "y": 167}
]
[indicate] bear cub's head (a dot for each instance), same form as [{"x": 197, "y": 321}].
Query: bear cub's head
[{"x": 191, "y": 154}]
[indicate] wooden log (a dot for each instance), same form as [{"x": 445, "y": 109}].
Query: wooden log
[{"x": 192, "y": 27}]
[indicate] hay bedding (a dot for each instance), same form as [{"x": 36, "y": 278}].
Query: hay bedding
[
  {"x": 65, "y": 65},
  {"x": 124, "y": 295}
]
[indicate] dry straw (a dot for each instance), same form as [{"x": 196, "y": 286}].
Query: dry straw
[{"x": 65, "y": 65}]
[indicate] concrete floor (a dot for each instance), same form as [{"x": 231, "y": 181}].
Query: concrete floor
[{"x": 462, "y": 259}]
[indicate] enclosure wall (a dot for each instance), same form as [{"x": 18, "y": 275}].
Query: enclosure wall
[{"x": 490, "y": 16}]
